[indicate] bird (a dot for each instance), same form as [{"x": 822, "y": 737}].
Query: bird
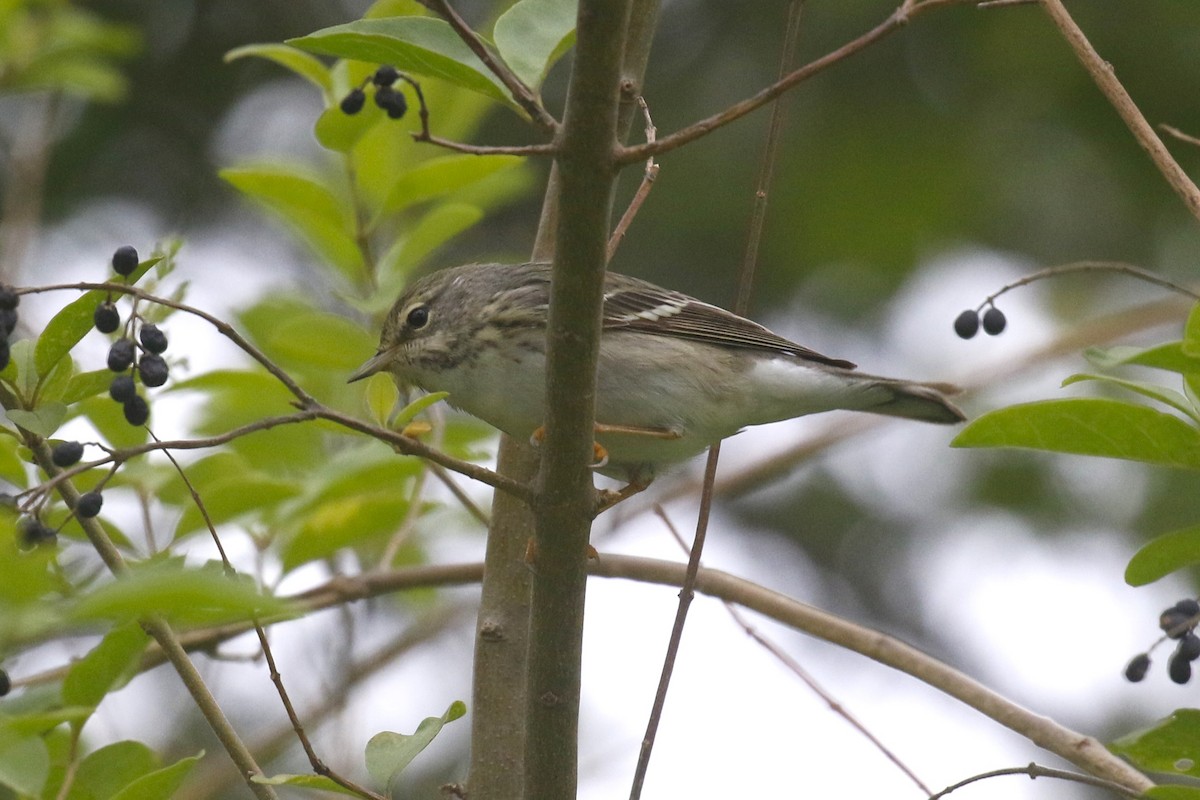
[{"x": 675, "y": 374}]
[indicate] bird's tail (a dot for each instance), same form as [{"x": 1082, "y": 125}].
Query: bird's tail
[{"x": 927, "y": 402}]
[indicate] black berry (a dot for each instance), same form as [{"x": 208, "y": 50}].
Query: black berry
[
  {"x": 125, "y": 260},
  {"x": 106, "y": 318},
  {"x": 122, "y": 388},
  {"x": 8, "y": 320},
  {"x": 1188, "y": 606},
  {"x": 89, "y": 505},
  {"x": 1179, "y": 668},
  {"x": 153, "y": 339},
  {"x": 1189, "y": 646},
  {"x": 966, "y": 324},
  {"x": 391, "y": 101},
  {"x": 120, "y": 355},
  {"x": 35, "y": 534},
  {"x": 994, "y": 321},
  {"x": 8, "y": 298},
  {"x": 152, "y": 369},
  {"x": 353, "y": 102},
  {"x": 5, "y": 683},
  {"x": 1179, "y": 619},
  {"x": 136, "y": 411},
  {"x": 65, "y": 454},
  {"x": 386, "y": 75},
  {"x": 1136, "y": 670}
]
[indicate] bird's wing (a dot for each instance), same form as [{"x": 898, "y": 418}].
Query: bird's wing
[{"x": 636, "y": 305}]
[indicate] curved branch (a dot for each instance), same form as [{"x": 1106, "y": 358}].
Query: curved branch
[{"x": 898, "y": 18}]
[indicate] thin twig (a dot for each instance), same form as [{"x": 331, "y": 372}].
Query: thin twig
[
  {"x": 1035, "y": 771},
  {"x": 745, "y": 283},
  {"x": 643, "y": 191},
  {"x": 1092, "y": 266},
  {"x": 522, "y": 94},
  {"x": 1104, "y": 76},
  {"x": 898, "y": 19},
  {"x": 1178, "y": 134},
  {"x": 792, "y": 664}
]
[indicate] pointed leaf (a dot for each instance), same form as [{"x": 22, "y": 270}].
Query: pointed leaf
[
  {"x": 103, "y": 772},
  {"x": 432, "y": 231},
  {"x": 381, "y": 397},
  {"x": 1169, "y": 397},
  {"x": 1089, "y": 426},
  {"x": 1164, "y": 555},
  {"x": 161, "y": 782},
  {"x": 419, "y": 45},
  {"x": 298, "y": 61},
  {"x": 24, "y": 762},
  {"x": 1168, "y": 356},
  {"x": 305, "y": 782},
  {"x": 64, "y": 330},
  {"x": 389, "y": 753},
  {"x": 1170, "y": 746},
  {"x": 438, "y": 177},
  {"x": 43, "y": 420},
  {"x": 533, "y": 34},
  {"x": 109, "y": 664}
]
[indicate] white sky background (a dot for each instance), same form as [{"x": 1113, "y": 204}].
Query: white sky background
[{"x": 1051, "y": 622}]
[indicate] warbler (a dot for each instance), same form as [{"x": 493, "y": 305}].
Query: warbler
[{"x": 675, "y": 374}]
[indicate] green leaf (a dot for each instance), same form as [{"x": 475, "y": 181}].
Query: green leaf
[
  {"x": 359, "y": 519},
  {"x": 65, "y": 330},
  {"x": 109, "y": 419},
  {"x": 107, "y": 666},
  {"x": 432, "y": 231},
  {"x": 321, "y": 339},
  {"x": 419, "y": 45},
  {"x": 1164, "y": 555},
  {"x": 410, "y": 411},
  {"x": 389, "y": 753},
  {"x": 338, "y": 131},
  {"x": 161, "y": 782},
  {"x": 438, "y": 177},
  {"x": 1168, "y": 357},
  {"x": 533, "y": 34},
  {"x": 298, "y": 61},
  {"x": 1170, "y": 746},
  {"x": 305, "y": 782},
  {"x": 42, "y": 421},
  {"x": 24, "y": 762},
  {"x": 87, "y": 384},
  {"x": 1173, "y": 793},
  {"x": 381, "y": 397},
  {"x": 188, "y": 595},
  {"x": 1166, "y": 396},
  {"x": 1191, "y": 333},
  {"x": 1091, "y": 427},
  {"x": 104, "y": 772},
  {"x": 232, "y": 496},
  {"x": 310, "y": 207}
]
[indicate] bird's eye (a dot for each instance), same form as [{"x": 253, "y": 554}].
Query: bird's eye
[{"x": 418, "y": 317}]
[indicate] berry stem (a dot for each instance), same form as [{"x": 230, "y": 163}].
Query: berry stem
[{"x": 1091, "y": 266}]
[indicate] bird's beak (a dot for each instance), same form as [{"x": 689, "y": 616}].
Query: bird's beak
[{"x": 377, "y": 363}]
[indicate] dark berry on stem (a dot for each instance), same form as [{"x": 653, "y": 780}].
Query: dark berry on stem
[
  {"x": 5, "y": 683},
  {"x": 994, "y": 321},
  {"x": 120, "y": 355},
  {"x": 125, "y": 260},
  {"x": 1189, "y": 606},
  {"x": 1189, "y": 646},
  {"x": 386, "y": 75},
  {"x": 89, "y": 505},
  {"x": 353, "y": 102},
  {"x": 8, "y": 298},
  {"x": 152, "y": 369},
  {"x": 8, "y": 319},
  {"x": 1137, "y": 668},
  {"x": 391, "y": 101},
  {"x": 1179, "y": 668},
  {"x": 122, "y": 388},
  {"x": 153, "y": 339},
  {"x": 966, "y": 325},
  {"x": 106, "y": 318},
  {"x": 65, "y": 454},
  {"x": 136, "y": 411},
  {"x": 35, "y": 534}
]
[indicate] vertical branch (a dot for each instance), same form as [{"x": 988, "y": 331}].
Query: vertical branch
[
  {"x": 1102, "y": 73},
  {"x": 565, "y": 494}
]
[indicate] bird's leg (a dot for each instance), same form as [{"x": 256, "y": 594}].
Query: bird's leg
[
  {"x": 599, "y": 453},
  {"x": 607, "y": 498}
]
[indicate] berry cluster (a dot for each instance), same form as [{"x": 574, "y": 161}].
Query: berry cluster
[
  {"x": 8, "y": 320},
  {"x": 150, "y": 366},
  {"x": 966, "y": 325},
  {"x": 1179, "y": 623},
  {"x": 387, "y": 97}
]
